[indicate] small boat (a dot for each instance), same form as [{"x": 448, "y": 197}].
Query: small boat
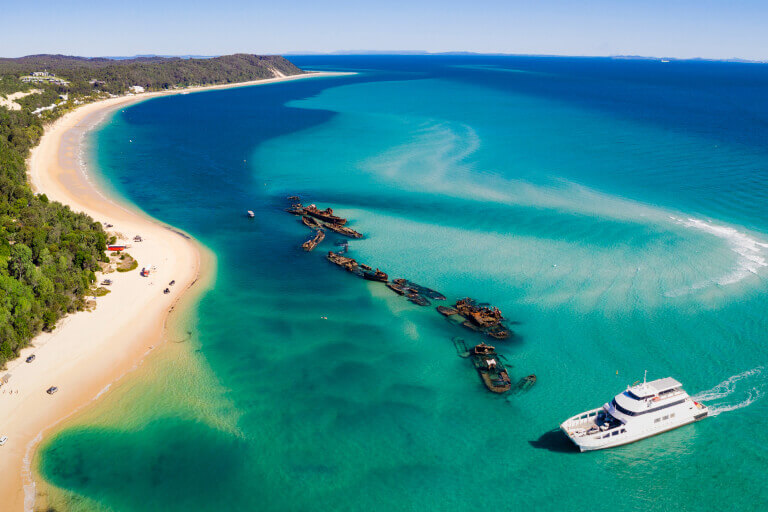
[
  {"x": 250, "y": 214},
  {"x": 343, "y": 230},
  {"x": 374, "y": 275},
  {"x": 490, "y": 368},
  {"x": 311, "y": 222},
  {"x": 312, "y": 243},
  {"x": 324, "y": 215}
]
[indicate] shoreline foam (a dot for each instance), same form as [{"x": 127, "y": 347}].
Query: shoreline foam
[{"x": 87, "y": 352}]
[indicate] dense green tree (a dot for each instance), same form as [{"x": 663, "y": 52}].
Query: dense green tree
[{"x": 48, "y": 253}]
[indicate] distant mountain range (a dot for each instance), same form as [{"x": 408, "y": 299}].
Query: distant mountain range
[
  {"x": 151, "y": 56},
  {"x": 501, "y": 54}
]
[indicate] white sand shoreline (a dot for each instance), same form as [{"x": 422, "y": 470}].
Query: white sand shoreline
[{"x": 88, "y": 351}]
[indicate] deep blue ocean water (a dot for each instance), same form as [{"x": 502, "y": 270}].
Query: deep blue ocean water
[{"x": 615, "y": 210}]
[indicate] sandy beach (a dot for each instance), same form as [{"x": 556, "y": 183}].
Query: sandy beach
[{"x": 90, "y": 350}]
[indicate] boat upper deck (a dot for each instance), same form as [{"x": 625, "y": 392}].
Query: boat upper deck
[{"x": 655, "y": 387}]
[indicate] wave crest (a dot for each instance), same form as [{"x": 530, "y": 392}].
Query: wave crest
[{"x": 752, "y": 254}]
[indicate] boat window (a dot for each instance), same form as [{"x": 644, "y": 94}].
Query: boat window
[
  {"x": 665, "y": 418},
  {"x": 615, "y": 433},
  {"x": 672, "y": 415},
  {"x": 631, "y": 395},
  {"x": 630, "y": 413},
  {"x": 623, "y": 430},
  {"x": 657, "y": 420}
]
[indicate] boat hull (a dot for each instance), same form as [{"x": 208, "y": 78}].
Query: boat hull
[{"x": 631, "y": 436}]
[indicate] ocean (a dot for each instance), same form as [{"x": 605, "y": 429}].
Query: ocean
[{"x": 614, "y": 210}]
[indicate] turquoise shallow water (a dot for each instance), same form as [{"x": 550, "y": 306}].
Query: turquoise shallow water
[{"x": 614, "y": 210}]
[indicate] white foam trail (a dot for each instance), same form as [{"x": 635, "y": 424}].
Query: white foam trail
[
  {"x": 727, "y": 388},
  {"x": 754, "y": 394}
]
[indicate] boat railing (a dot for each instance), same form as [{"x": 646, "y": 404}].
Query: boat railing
[{"x": 583, "y": 419}]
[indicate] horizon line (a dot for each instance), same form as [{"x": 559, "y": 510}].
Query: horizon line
[{"x": 404, "y": 53}]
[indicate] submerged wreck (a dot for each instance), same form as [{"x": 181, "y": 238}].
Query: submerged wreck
[
  {"x": 312, "y": 242},
  {"x": 359, "y": 269},
  {"x": 373, "y": 275},
  {"x": 311, "y": 222},
  {"x": 416, "y": 294},
  {"x": 296, "y": 209},
  {"x": 421, "y": 290},
  {"x": 343, "y": 230},
  {"x": 348, "y": 264},
  {"x": 526, "y": 383},
  {"x": 314, "y": 218},
  {"x": 324, "y": 215},
  {"x": 485, "y": 319},
  {"x": 490, "y": 368}
]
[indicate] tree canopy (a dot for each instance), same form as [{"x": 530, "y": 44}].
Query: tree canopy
[{"x": 48, "y": 253}]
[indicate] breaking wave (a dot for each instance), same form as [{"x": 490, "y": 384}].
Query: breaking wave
[
  {"x": 728, "y": 388},
  {"x": 752, "y": 254}
]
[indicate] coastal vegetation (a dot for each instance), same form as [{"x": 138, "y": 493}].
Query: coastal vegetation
[
  {"x": 126, "y": 263},
  {"x": 48, "y": 253},
  {"x": 85, "y": 75}
]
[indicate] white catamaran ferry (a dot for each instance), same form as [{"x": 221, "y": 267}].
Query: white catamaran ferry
[{"x": 643, "y": 410}]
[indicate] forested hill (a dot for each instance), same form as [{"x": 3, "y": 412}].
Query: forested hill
[
  {"x": 152, "y": 73},
  {"x": 48, "y": 253}
]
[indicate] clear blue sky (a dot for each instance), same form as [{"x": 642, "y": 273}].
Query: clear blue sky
[{"x": 677, "y": 28}]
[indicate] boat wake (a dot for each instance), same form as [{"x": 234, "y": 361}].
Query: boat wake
[{"x": 733, "y": 387}]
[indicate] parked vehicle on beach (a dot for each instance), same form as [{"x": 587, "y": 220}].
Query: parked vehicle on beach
[
  {"x": 3, "y": 440},
  {"x": 51, "y": 390},
  {"x": 31, "y": 358}
]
